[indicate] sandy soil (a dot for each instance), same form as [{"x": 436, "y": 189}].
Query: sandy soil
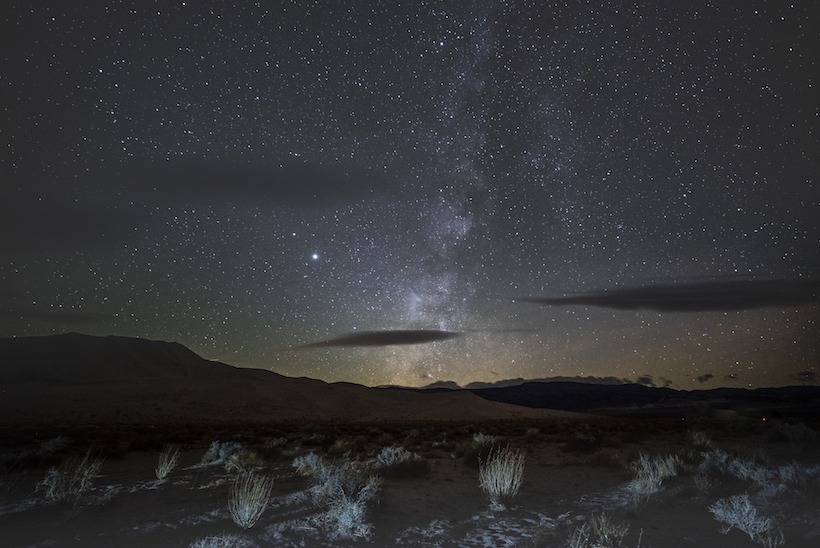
[{"x": 573, "y": 470}]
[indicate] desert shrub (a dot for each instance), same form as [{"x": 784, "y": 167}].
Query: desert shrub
[
  {"x": 219, "y": 451},
  {"x": 346, "y": 446},
  {"x": 770, "y": 482},
  {"x": 307, "y": 465},
  {"x": 343, "y": 490},
  {"x": 273, "y": 448},
  {"x": 599, "y": 532},
  {"x": 168, "y": 459},
  {"x": 750, "y": 470},
  {"x": 650, "y": 474},
  {"x": 716, "y": 459},
  {"x": 699, "y": 439},
  {"x": 501, "y": 476},
  {"x": 53, "y": 445},
  {"x": 580, "y": 537},
  {"x": 795, "y": 433},
  {"x": 393, "y": 455},
  {"x": 13, "y": 461},
  {"x": 276, "y": 443},
  {"x": 689, "y": 457},
  {"x": 244, "y": 461},
  {"x": 608, "y": 532},
  {"x": 703, "y": 483},
  {"x": 396, "y": 461},
  {"x": 222, "y": 541},
  {"x": 71, "y": 479},
  {"x": 791, "y": 474},
  {"x": 345, "y": 510},
  {"x": 772, "y": 539},
  {"x": 9, "y": 479},
  {"x": 738, "y": 512},
  {"x": 444, "y": 444},
  {"x": 248, "y": 498},
  {"x": 312, "y": 438},
  {"x": 475, "y": 450},
  {"x": 484, "y": 439},
  {"x": 335, "y": 479},
  {"x": 776, "y": 481},
  {"x": 795, "y": 474}
]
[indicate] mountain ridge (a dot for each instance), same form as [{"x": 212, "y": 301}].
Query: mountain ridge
[{"x": 85, "y": 378}]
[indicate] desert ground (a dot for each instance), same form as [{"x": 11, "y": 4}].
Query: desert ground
[{"x": 583, "y": 483}]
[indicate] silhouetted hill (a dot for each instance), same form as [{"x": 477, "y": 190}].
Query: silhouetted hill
[
  {"x": 73, "y": 357},
  {"x": 87, "y": 379}
]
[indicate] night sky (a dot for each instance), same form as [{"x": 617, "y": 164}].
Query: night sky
[{"x": 408, "y": 192}]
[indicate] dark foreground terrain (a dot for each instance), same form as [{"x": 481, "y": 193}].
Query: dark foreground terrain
[
  {"x": 115, "y": 441},
  {"x": 581, "y": 478}
]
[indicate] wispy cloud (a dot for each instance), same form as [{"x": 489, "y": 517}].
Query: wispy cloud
[
  {"x": 512, "y": 331},
  {"x": 702, "y": 296},
  {"x": 290, "y": 184},
  {"x": 704, "y": 378},
  {"x": 804, "y": 376},
  {"x": 34, "y": 227},
  {"x": 60, "y": 317},
  {"x": 385, "y": 338}
]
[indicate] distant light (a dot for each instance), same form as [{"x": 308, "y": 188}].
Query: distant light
[{"x": 315, "y": 256}]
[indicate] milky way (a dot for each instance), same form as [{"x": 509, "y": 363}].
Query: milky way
[{"x": 248, "y": 178}]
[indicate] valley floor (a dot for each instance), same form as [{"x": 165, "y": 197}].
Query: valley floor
[{"x": 574, "y": 471}]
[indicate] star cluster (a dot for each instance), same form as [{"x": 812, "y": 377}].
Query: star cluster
[{"x": 249, "y": 178}]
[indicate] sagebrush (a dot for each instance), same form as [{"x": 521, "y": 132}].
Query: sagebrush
[
  {"x": 71, "y": 479},
  {"x": 249, "y": 498},
  {"x": 501, "y": 476}
]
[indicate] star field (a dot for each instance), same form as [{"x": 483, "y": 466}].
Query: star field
[{"x": 247, "y": 178}]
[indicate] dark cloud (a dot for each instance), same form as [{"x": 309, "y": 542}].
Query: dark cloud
[
  {"x": 385, "y": 338},
  {"x": 61, "y": 317},
  {"x": 648, "y": 380},
  {"x": 804, "y": 376},
  {"x": 513, "y": 331},
  {"x": 730, "y": 377},
  {"x": 714, "y": 295},
  {"x": 289, "y": 184},
  {"x": 703, "y": 378},
  {"x": 46, "y": 227}
]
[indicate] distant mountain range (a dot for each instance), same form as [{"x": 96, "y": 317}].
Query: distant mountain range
[
  {"x": 518, "y": 381},
  {"x": 622, "y": 398},
  {"x": 573, "y": 396},
  {"x": 613, "y": 396}
]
